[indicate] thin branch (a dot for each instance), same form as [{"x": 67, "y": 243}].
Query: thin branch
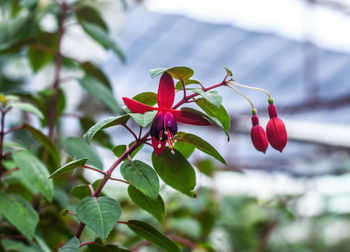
[
  {"x": 122, "y": 222},
  {"x": 189, "y": 97},
  {"x": 183, "y": 87},
  {"x": 58, "y": 65},
  {"x": 120, "y": 180},
  {"x": 265, "y": 236},
  {"x": 2, "y": 134},
  {"x": 8, "y": 172},
  {"x": 140, "y": 132},
  {"x": 14, "y": 129},
  {"x": 93, "y": 169},
  {"x": 71, "y": 213},
  {"x": 184, "y": 241},
  {"x": 131, "y": 131},
  {"x": 86, "y": 243}
]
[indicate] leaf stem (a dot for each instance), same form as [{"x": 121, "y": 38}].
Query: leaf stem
[
  {"x": 14, "y": 129},
  {"x": 131, "y": 131},
  {"x": 93, "y": 169},
  {"x": 250, "y": 87},
  {"x": 86, "y": 243},
  {"x": 246, "y": 97},
  {"x": 58, "y": 66},
  {"x": 188, "y": 97},
  {"x": 122, "y": 222},
  {"x": 2, "y": 134},
  {"x": 120, "y": 180},
  {"x": 183, "y": 87}
]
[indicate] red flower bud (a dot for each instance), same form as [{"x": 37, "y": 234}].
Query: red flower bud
[
  {"x": 258, "y": 135},
  {"x": 275, "y": 129}
]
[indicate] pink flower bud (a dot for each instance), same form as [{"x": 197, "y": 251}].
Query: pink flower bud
[
  {"x": 258, "y": 135},
  {"x": 275, "y": 129}
]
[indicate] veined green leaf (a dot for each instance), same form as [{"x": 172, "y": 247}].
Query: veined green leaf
[
  {"x": 144, "y": 119},
  {"x": 105, "y": 123},
  {"x": 179, "y": 73},
  {"x": 175, "y": 171},
  {"x": 71, "y": 246},
  {"x": 200, "y": 144},
  {"x": 100, "y": 214},
  {"x": 35, "y": 171},
  {"x": 211, "y": 96},
  {"x": 79, "y": 149},
  {"x": 19, "y": 212},
  {"x": 69, "y": 167},
  {"x": 98, "y": 90},
  {"x": 151, "y": 234},
  {"x": 154, "y": 207},
  {"x": 142, "y": 176},
  {"x": 28, "y": 108},
  {"x": 148, "y": 98}
]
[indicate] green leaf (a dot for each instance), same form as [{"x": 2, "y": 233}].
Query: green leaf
[
  {"x": 185, "y": 148},
  {"x": 82, "y": 191},
  {"x": 101, "y": 137},
  {"x": 178, "y": 85},
  {"x": 228, "y": 71},
  {"x": 211, "y": 96},
  {"x": 142, "y": 176},
  {"x": 86, "y": 13},
  {"x": 19, "y": 213},
  {"x": 148, "y": 98},
  {"x": 35, "y": 171},
  {"x": 71, "y": 246},
  {"x": 200, "y": 144},
  {"x": 100, "y": 214},
  {"x": 106, "y": 248},
  {"x": 79, "y": 149},
  {"x": 69, "y": 167},
  {"x": 13, "y": 245},
  {"x": 180, "y": 73},
  {"x": 46, "y": 142},
  {"x": 186, "y": 225},
  {"x": 144, "y": 119},
  {"x": 101, "y": 92},
  {"x": 152, "y": 235},
  {"x": 213, "y": 120},
  {"x": 120, "y": 149},
  {"x": 105, "y": 123},
  {"x": 154, "y": 207},
  {"x": 102, "y": 37},
  {"x": 175, "y": 171},
  {"x": 37, "y": 58},
  {"x": 156, "y": 71},
  {"x": 213, "y": 111},
  {"x": 93, "y": 70},
  {"x": 206, "y": 166},
  {"x": 28, "y": 108}
]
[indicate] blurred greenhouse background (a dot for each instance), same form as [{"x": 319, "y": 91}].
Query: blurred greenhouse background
[{"x": 296, "y": 49}]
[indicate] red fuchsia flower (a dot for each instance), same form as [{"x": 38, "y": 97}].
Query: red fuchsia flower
[
  {"x": 164, "y": 125},
  {"x": 258, "y": 135},
  {"x": 275, "y": 129}
]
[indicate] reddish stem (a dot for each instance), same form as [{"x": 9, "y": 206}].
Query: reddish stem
[
  {"x": 184, "y": 241},
  {"x": 71, "y": 213},
  {"x": 189, "y": 97},
  {"x": 130, "y": 130},
  {"x": 14, "y": 129},
  {"x": 122, "y": 222},
  {"x": 120, "y": 180},
  {"x": 93, "y": 169},
  {"x": 87, "y": 243},
  {"x": 58, "y": 65},
  {"x": 2, "y": 134}
]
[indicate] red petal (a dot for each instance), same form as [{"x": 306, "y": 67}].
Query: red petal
[
  {"x": 137, "y": 107},
  {"x": 156, "y": 144},
  {"x": 259, "y": 138},
  {"x": 276, "y": 133},
  {"x": 189, "y": 118},
  {"x": 166, "y": 91}
]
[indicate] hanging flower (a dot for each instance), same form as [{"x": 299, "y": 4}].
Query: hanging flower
[
  {"x": 258, "y": 135},
  {"x": 275, "y": 130},
  {"x": 164, "y": 125}
]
